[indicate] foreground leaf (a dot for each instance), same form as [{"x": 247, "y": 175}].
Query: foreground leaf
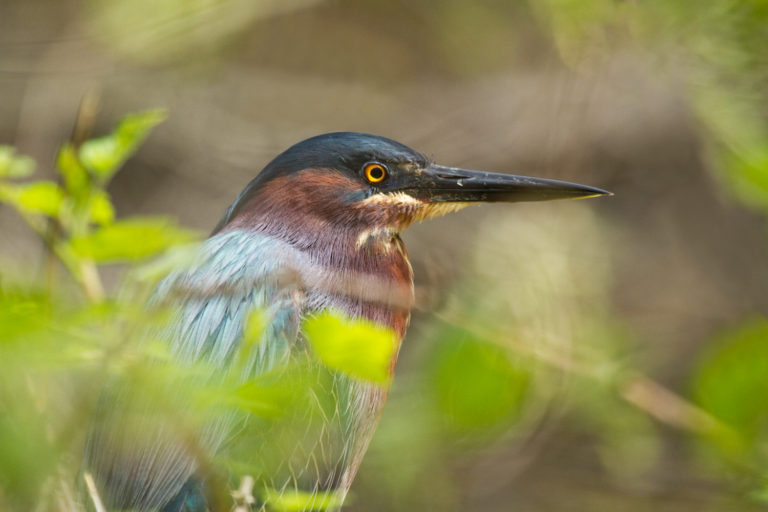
[
  {"x": 357, "y": 347},
  {"x": 477, "y": 385},
  {"x": 291, "y": 500},
  {"x": 100, "y": 209},
  {"x": 130, "y": 240},
  {"x": 14, "y": 166},
  {"x": 42, "y": 197},
  {"x": 104, "y": 156},
  {"x": 731, "y": 384},
  {"x": 70, "y": 168}
]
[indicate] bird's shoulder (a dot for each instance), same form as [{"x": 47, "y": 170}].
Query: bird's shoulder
[
  {"x": 231, "y": 276},
  {"x": 206, "y": 302}
]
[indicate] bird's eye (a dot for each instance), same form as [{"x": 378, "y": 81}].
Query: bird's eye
[{"x": 375, "y": 172}]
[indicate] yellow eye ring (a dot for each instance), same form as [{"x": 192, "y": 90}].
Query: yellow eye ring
[{"x": 375, "y": 172}]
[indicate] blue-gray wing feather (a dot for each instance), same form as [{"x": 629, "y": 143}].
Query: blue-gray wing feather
[
  {"x": 314, "y": 450},
  {"x": 233, "y": 274}
]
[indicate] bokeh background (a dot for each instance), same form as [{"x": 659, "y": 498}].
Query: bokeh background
[{"x": 608, "y": 354}]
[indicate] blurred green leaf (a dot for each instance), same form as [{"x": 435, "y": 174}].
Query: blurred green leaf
[
  {"x": 760, "y": 495},
  {"x": 748, "y": 176},
  {"x": 253, "y": 331},
  {"x": 130, "y": 239},
  {"x": 292, "y": 500},
  {"x": 254, "y": 327},
  {"x": 21, "y": 315},
  {"x": 74, "y": 174},
  {"x": 476, "y": 384},
  {"x": 42, "y": 197},
  {"x": 156, "y": 30},
  {"x": 26, "y": 457},
  {"x": 177, "y": 257},
  {"x": 732, "y": 384},
  {"x": 104, "y": 156},
  {"x": 583, "y": 30},
  {"x": 14, "y": 166},
  {"x": 261, "y": 397},
  {"x": 101, "y": 210},
  {"x": 357, "y": 347}
]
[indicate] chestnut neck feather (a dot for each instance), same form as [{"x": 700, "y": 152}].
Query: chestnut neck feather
[{"x": 319, "y": 212}]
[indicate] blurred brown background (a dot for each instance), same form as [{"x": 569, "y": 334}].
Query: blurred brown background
[{"x": 670, "y": 261}]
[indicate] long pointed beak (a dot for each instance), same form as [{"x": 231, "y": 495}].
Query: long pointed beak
[{"x": 438, "y": 183}]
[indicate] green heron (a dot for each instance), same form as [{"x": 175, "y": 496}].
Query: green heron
[{"x": 318, "y": 229}]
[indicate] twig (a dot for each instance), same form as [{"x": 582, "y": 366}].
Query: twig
[
  {"x": 667, "y": 406},
  {"x": 635, "y": 388},
  {"x": 89, "y": 278},
  {"x": 86, "y": 117},
  {"x": 244, "y": 495},
  {"x": 52, "y": 232},
  {"x": 93, "y": 492}
]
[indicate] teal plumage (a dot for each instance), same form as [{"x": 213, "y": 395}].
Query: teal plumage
[{"x": 234, "y": 274}]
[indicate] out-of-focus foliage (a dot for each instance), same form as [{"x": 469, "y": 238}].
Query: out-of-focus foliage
[
  {"x": 508, "y": 353},
  {"x": 731, "y": 384},
  {"x": 151, "y": 30},
  {"x": 75, "y": 215},
  {"x": 116, "y": 242},
  {"x": 529, "y": 354},
  {"x": 62, "y": 353},
  {"x": 337, "y": 342},
  {"x": 717, "y": 49},
  {"x": 13, "y": 166},
  {"x": 103, "y": 157},
  {"x": 527, "y": 341},
  {"x": 57, "y": 348},
  {"x": 476, "y": 385}
]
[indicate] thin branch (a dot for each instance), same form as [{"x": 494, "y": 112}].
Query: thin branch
[
  {"x": 637, "y": 389},
  {"x": 86, "y": 117},
  {"x": 668, "y": 407},
  {"x": 90, "y": 280},
  {"x": 93, "y": 492}
]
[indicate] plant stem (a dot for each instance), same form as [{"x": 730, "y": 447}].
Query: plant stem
[{"x": 90, "y": 280}]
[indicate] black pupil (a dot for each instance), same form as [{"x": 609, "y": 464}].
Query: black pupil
[{"x": 376, "y": 172}]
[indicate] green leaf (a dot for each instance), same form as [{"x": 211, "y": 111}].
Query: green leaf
[
  {"x": 181, "y": 256},
  {"x": 748, "y": 176},
  {"x": 253, "y": 330},
  {"x": 267, "y": 400},
  {"x": 476, "y": 384},
  {"x": 43, "y": 197},
  {"x": 101, "y": 210},
  {"x": 254, "y": 327},
  {"x": 70, "y": 168},
  {"x": 130, "y": 239},
  {"x": 356, "y": 347},
  {"x": 293, "y": 500},
  {"x": 761, "y": 494},
  {"x": 28, "y": 458},
  {"x": 731, "y": 384},
  {"x": 12, "y": 166},
  {"x": 104, "y": 156}
]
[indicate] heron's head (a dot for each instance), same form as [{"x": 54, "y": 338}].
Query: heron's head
[{"x": 360, "y": 183}]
